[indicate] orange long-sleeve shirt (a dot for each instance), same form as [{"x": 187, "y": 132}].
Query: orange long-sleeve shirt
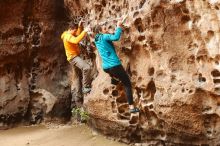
[{"x": 71, "y": 43}]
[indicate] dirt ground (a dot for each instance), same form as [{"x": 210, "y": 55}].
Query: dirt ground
[{"x": 56, "y": 135}]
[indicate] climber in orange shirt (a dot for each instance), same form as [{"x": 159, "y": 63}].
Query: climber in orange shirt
[{"x": 71, "y": 39}]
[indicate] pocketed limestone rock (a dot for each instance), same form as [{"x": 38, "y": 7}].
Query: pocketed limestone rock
[{"x": 170, "y": 49}]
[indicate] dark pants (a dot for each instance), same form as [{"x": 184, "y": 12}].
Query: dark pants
[{"x": 119, "y": 73}]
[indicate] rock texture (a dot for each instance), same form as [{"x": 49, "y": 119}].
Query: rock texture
[
  {"x": 170, "y": 48},
  {"x": 34, "y": 81}
]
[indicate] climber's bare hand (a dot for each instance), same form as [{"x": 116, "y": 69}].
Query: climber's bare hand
[
  {"x": 124, "y": 18},
  {"x": 80, "y": 23},
  {"x": 119, "y": 24},
  {"x": 87, "y": 29}
]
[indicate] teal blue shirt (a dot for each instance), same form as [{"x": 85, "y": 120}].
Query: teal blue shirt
[{"x": 106, "y": 48}]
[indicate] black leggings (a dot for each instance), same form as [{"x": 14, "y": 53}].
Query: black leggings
[{"x": 119, "y": 73}]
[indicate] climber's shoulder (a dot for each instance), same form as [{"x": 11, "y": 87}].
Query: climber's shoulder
[{"x": 64, "y": 34}]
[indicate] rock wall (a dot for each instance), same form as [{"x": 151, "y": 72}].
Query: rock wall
[
  {"x": 34, "y": 81},
  {"x": 170, "y": 49}
]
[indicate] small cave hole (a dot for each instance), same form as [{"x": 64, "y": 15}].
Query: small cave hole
[
  {"x": 136, "y": 14},
  {"x": 216, "y": 81},
  {"x": 151, "y": 71},
  {"x": 173, "y": 78},
  {"x": 19, "y": 108},
  {"x": 32, "y": 87},
  {"x": 138, "y": 92},
  {"x": 141, "y": 38},
  {"x": 121, "y": 100},
  {"x": 113, "y": 104},
  {"x": 139, "y": 79},
  {"x": 201, "y": 78},
  {"x": 151, "y": 88},
  {"x": 134, "y": 120},
  {"x": 186, "y": 11},
  {"x": 105, "y": 91},
  {"x": 215, "y": 73},
  {"x": 190, "y": 91},
  {"x": 209, "y": 132},
  {"x": 121, "y": 110},
  {"x": 183, "y": 90},
  {"x": 156, "y": 26},
  {"x": 134, "y": 73},
  {"x": 98, "y": 8},
  {"x": 117, "y": 9},
  {"x": 126, "y": 30},
  {"x": 113, "y": 7},
  {"x": 127, "y": 114},
  {"x": 113, "y": 87},
  {"x": 210, "y": 34},
  {"x": 151, "y": 106},
  {"x": 104, "y": 3},
  {"x": 191, "y": 59},
  {"x": 160, "y": 126},
  {"x": 217, "y": 90},
  {"x": 115, "y": 93},
  {"x": 185, "y": 19},
  {"x": 110, "y": 27},
  {"x": 140, "y": 28},
  {"x": 138, "y": 24},
  {"x": 142, "y": 3},
  {"x": 196, "y": 18}
]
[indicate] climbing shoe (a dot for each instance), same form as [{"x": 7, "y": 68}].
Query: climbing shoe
[
  {"x": 134, "y": 110},
  {"x": 86, "y": 90}
]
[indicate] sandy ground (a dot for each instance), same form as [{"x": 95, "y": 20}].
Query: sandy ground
[{"x": 75, "y": 135}]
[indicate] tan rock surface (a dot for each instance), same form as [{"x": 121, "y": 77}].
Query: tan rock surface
[
  {"x": 33, "y": 70},
  {"x": 170, "y": 49}
]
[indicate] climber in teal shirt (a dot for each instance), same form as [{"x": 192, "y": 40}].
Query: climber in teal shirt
[
  {"x": 111, "y": 63},
  {"x": 106, "y": 48}
]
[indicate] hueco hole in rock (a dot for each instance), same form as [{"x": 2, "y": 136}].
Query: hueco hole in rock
[{"x": 167, "y": 56}]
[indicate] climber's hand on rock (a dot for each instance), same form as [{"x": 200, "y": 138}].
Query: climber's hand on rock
[
  {"x": 119, "y": 24},
  {"x": 124, "y": 18},
  {"x": 87, "y": 29},
  {"x": 80, "y": 23}
]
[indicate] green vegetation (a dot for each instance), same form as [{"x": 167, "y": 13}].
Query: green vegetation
[{"x": 81, "y": 114}]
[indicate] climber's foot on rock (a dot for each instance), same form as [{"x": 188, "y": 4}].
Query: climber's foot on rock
[
  {"x": 86, "y": 90},
  {"x": 134, "y": 110}
]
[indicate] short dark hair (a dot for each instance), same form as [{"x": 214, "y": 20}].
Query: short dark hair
[
  {"x": 97, "y": 28},
  {"x": 73, "y": 25}
]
